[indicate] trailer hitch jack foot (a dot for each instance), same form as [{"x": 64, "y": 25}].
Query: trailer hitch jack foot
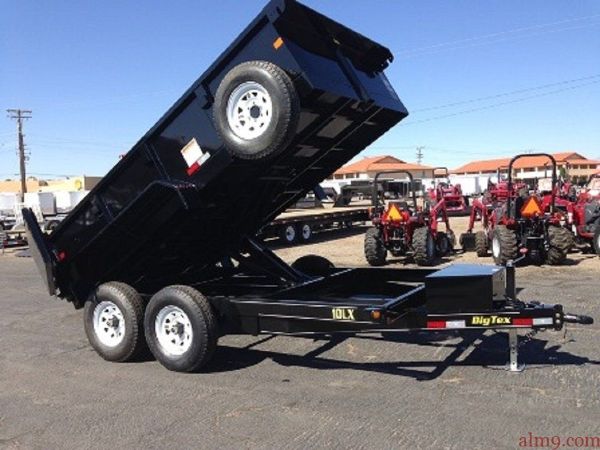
[{"x": 513, "y": 345}]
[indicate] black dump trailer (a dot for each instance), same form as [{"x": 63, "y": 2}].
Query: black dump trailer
[{"x": 162, "y": 256}]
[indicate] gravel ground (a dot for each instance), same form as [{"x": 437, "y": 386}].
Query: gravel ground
[{"x": 414, "y": 391}]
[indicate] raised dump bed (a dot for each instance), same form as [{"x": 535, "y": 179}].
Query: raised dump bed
[{"x": 161, "y": 252}]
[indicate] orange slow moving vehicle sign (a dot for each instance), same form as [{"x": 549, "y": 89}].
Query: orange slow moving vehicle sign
[
  {"x": 393, "y": 214},
  {"x": 532, "y": 207}
]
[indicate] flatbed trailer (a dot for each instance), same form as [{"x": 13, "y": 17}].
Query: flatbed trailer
[
  {"x": 161, "y": 254},
  {"x": 299, "y": 224}
]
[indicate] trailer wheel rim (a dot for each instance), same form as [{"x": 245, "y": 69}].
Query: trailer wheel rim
[
  {"x": 306, "y": 232},
  {"x": 174, "y": 331},
  {"x": 290, "y": 233},
  {"x": 249, "y": 110},
  {"x": 109, "y": 324},
  {"x": 496, "y": 246}
]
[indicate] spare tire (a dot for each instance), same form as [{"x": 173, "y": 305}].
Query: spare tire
[
  {"x": 256, "y": 110},
  {"x": 313, "y": 265}
]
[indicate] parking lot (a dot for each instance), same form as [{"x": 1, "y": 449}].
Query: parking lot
[{"x": 413, "y": 390}]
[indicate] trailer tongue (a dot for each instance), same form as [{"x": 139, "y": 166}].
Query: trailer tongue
[{"x": 161, "y": 253}]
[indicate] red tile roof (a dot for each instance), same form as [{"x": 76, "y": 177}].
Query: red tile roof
[
  {"x": 525, "y": 162},
  {"x": 379, "y": 164}
]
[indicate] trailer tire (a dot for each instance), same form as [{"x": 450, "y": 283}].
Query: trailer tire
[
  {"x": 423, "y": 247},
  {"x": 122, "y": 340},
  {"x": 313, "y": 265},
  {"x": 305, "y": 232},
  {"x": 596, "y": 243},
  {"x": 256, "y": 110},
  {"x": 504, "y": 245},
  {"x": 481, "y": 244},
  {"x": 189, "y": 346},
  {"x": 375, "y": 251},
  {"x": 289, "y": 234},
  {"x": 560, "y": 242}
]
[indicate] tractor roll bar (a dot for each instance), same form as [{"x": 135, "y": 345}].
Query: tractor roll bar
[
  {"x": 375, "y": 198},
  {"x": 510, "y": 168}
]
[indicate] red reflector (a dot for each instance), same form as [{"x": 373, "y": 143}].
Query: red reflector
[
  {"x": 523, "y": 321},
  {"x": 61, "y": 256},
  {"x": 193, "y": 169},
  {"x": 436, "y": 324}
]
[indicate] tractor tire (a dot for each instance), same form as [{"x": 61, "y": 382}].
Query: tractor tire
[
  {"x": 504, "y": 245},
  {"x": 451, "y": 239},
  {"x": 597, "y": 240},
  {"x": 560, "y": 242},
  {"x": 442, "y": 242},
  {"x": 424, "y": 247},
  {"x": 481, "y": 244},
  {"x": 256, "y": 110},
  {"x": 181, "y": 328},
  {"x": 113, "y": 319},
  {"x": 313, "y": 265},
  {"x": 375, "y": 251}
]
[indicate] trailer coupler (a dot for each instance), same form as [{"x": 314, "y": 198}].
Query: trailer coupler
[{"x": 580, "y": 319}]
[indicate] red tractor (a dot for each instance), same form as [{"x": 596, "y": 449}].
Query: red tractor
[
  {"x": 404, "y": 229},
  {"x": 454, "y": 200},
  {"x": 482, "y": 209},
  {"x": 584, "y": 214},
  {"x": 522, "y": 226}
]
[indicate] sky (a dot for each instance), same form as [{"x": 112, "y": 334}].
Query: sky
[{"x": 481, "y": 79}]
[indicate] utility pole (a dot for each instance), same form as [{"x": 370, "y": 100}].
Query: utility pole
[
  {"x": 20, "y": 115},
  {"x": 420, "y": 154}
]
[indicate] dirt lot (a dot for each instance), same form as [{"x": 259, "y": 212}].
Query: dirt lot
[{"x": 415, "y": 391}]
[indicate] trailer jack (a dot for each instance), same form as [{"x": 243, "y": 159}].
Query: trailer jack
[{"x": 513, "y": 345}]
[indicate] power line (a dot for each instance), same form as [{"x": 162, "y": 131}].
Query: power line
[
  {"x": 505, "y": 94},
  {"x": 20, "y": 115},
  {"x": 496, "y": 105},
  {"x": 452, "y": 45}
]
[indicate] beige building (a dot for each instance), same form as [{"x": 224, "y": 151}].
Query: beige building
[
  {"x": 577, "y": 167},
  {"x": 367, "y": 168},
  {"x": 79, "y": 183}
]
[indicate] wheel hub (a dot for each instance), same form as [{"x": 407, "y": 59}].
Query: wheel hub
[
  {"x": 109, "y": 324},
  {"x": 173, "y": 330},
  {"x": 249, "y": 110}
]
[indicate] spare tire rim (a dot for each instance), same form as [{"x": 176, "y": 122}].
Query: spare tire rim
[
  {"x": 249, "y": 110},
  {"x": 109, "y": 324},
  {"x": 496, "y": 247},
  {"x": 173, "y": 330}
]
